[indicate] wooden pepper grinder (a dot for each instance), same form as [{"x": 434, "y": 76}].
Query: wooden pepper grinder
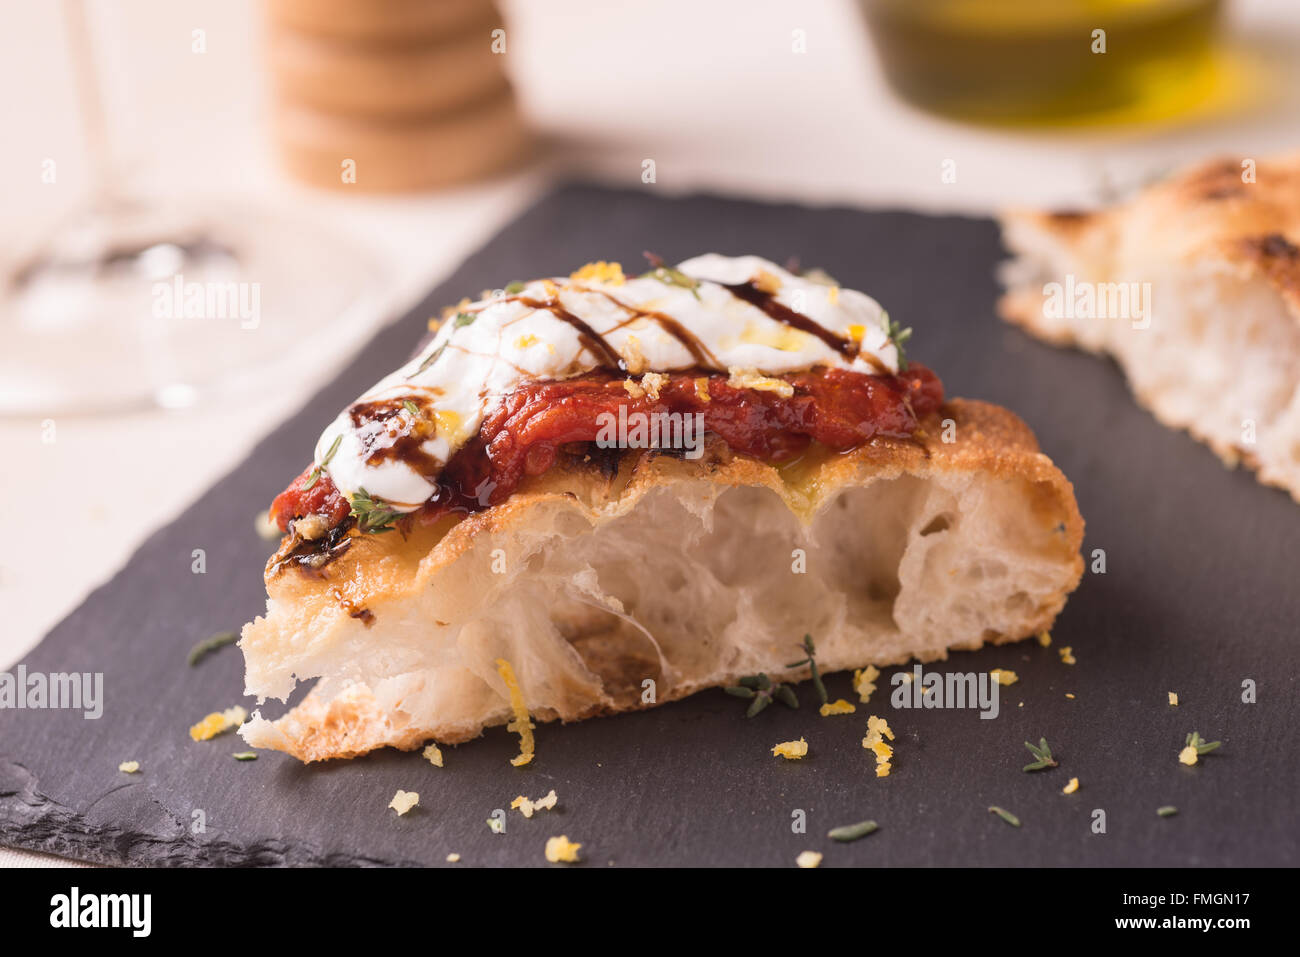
[{"x": 391, "y": 95}]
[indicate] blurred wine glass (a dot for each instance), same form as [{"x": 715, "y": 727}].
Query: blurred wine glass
[{"x": 137, "y": 301}]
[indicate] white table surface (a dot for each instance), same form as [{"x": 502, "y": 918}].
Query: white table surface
[{"x": 710, "y": 90}]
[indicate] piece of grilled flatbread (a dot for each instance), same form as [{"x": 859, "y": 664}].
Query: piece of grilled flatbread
[
  {"x": 1209, "y": 266},
  {"x": 609, "y": 589}
]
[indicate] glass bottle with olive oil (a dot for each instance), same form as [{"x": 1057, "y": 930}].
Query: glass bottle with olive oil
[{"x": 1048, "y": 61}]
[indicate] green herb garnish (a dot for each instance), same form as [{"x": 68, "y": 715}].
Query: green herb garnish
[
  {"x": 1202, "y": 746},
  {"x": 851, "y": 832},
  {"x": 897, "y": 335},
  {"x": 761, "y": 692},
  {"x": 320, "y": 469},
  {"x": 207, "y": 645},
  {"x": 1167, "y": 811},
  {"x": 373, "y": 515},
  {"x": 245, "y": 755},
  {"x": 811, "y": 662},
  {"x": 410, "y": 407},
  {"x": 1005, "y": 815},
  {"x": 464, "y": 319},
  {"x": 669, "y": 276},
  {"x": 1042, "y": 754},
  {"x": 514, "y": 288}
]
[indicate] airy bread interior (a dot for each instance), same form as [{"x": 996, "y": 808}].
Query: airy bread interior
[
  {"x": 676, "y": 576},
  {"x": 1219, "y": 353}
]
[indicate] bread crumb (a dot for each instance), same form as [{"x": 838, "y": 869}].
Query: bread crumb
[
  {"x": 839, "y": 706},
  {"x": 129, "y": 767},
  {"x": 864, "y": 683},
  {"x": 453, "y": 858},
  {"x": 527, "y": 807},
  {"x": 808, "y": 859},
  {"x": 1004, "y": 677},
  {"x": 433, "y": 755},
  {"x": 403, "y": 801},
  {"x": 217, "y": 722},
  {"x": 1069, "y": 694},
  {"x": 633, "y": 357},
  {"x": 600, "y": 271},
  {"x": 1173, "y": 699},
  {"x": 1067, "y": 655},
  {"x": 1044, "y": 638},
  {"x": 633, "y": 388},
  {"x": 521, "y": 725},
  {"x": 652, "y": 382},
  {"x": 702, "y": 389},
  {"x": 791, "y": 750},
  {"x": 1188, "y": 755},
  {"x": 561, "y": 850},
  {"x": 752, "y": 379},
  {"x": 1071, "y": 787}
]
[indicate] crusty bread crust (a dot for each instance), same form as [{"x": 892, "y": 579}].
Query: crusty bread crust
[
  {"x": 924, "y": 526},
  {"x": 1221, "y": 357}
]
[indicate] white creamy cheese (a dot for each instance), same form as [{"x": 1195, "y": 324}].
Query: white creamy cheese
[{"x": 509, "y": 342}]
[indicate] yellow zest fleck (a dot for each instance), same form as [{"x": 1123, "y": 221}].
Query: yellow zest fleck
[
  {"x": 856, "y": 332},
  {"x": 433, "y": 755},
  {"x": 652, "y": 382},
  {"x": 1188, "y": 755},
  {"x": 877, "y": 730},
  {"x": 791, "y": 750},
  {"x": 521, "y": 725},
  {"x": 766, "y": 282},
  {"x": 1004, "y": 677},
  {"x": 449, "y": 311},
  {"x": 836, "y": 707},
  {"x": 527, "y": 807},
  {"x": 1066, "y": 655},
  {"x": 808, "y": 859},
  {"x": 600, "y": 271},
  {"x": 908, "y": 677},
  {"x": 552, "y": 290},
  {"x": 751, "y": 379},
  {"x": 864, "y": 682},
  {"x": 447, "y": 424},
  {"x": 526, "y": 340},
  {"x": 452, "y": 858},
  {"x": 403, "y": 801},
  {"x": 779, "y": 337},
  {"x": 702, "y": 389},
  {"x": 434, "y": 323},
  {"x": 633, "y": 388},
  {"x": 129, "y": 767},
  {"x": 1173, "y": 699},
  {"x": 833, "y": 295},
  {"x": 561, "y": 850},
  {"x": 1070, "y": 695},
  {"x": 1044, "y": 638},
  {"x": 1071, "y": 787},
  {"x": 217, "y": 722}
]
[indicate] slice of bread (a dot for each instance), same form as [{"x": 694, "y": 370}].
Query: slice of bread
[
  {"x": 611, "y": 590},
  {"x": 1215, "y": 346}
]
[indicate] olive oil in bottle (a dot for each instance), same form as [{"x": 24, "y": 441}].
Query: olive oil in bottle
[{"x": 1049, "y": 61}]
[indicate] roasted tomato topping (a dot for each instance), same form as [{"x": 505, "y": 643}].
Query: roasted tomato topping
[{"x": 524, "y": 434}]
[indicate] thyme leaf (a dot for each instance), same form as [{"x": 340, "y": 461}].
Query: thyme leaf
[
  {"x": 1194, "y": 740},
  {"x": 209, "y": 645},
  {"x": 897, "y": 335},
  {"x": 1005, "y": 815},
  {"x": 1042, "y": 754},
  {"x": 373, "y": 515},
  {"x": 851, "y": 832},
  {"x": 669, "y": 276},
  {"x": 760, "y": 692},
  {"x": 811, "y": 662},
  {"x": 320, "y": 469}
]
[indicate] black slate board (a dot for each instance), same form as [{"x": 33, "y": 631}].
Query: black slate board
[{"x": 1199, "y": 595}]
